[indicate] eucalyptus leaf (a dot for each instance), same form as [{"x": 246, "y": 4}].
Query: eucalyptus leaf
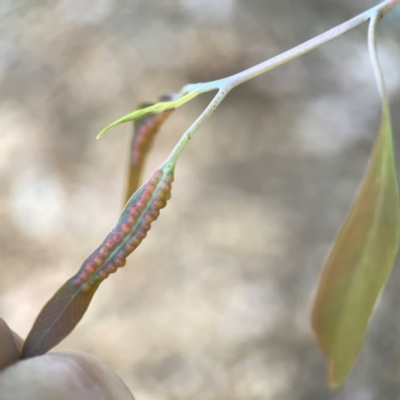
[
  {"x": 360, "y": 261},
  {"x": 68, "y": 305},
  {"x": 57, "y": 319},
  {"x": 144, "y": 132}
]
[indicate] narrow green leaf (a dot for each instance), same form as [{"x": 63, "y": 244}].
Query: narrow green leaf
[
  {"x": 145, "y": 130},
  {"x": 153, "y": 109},
  {"x": 361, "y": 259},
  {"x": 68, "y": 305},
  {"x": 140, "y": 113}
]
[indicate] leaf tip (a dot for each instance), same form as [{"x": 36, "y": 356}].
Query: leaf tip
[
  {"x": 107, "y": 128},
  {"x": 336, "y": 377}
]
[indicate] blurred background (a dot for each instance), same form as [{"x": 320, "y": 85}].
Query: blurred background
[{"x": 215, "y": 303}]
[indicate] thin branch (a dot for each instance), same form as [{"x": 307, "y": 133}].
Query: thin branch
[
  {"x": 226, "y": 84},
  {"x": 312, "y": 44},
  {"x": 197, "y": 124},
  {"x": 374, "y": 57},
  {"x": 289, "y": 55}
]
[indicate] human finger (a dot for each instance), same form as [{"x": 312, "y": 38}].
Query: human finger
[
  {"x": 9, "y": 351},
  {"x": 62, "y": 376}
]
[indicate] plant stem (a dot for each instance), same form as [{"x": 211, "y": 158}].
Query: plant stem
[
  {"x": 386, "y": 6},
  {"x": 312, "y": 44},
  {"x": 173, "y": 157},
  {"x": 226, "y": 84},
  {"x": 374, "y": 58}
]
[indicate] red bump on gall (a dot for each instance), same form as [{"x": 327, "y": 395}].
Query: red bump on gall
[
  {"x": 142, "y": 234},
  {"x": 146, "y": 196},
  {"x": 129, "y": 247},
  {"x": 90, "y": 268},
  {"x": 141, "y": 204},
  {"x": 103, "y": 274},
  {"x": 156, "y": 213},
  {"x": 135, "y": 241},
  {"x": 150, "y": 188},
  {"x": 104, "y": 251},
  {"x": 158, "y": 173},
  {"x": 159, "y": 203},
  {"x": 98, "y": 260},
  {"x": 149, "y": 218},
  {"x": 109, "y": 244},
  {"x": 134, "y": 212},
  {"x": 83, "y": 277},
  {"x": 126, "y": 228},
  {"x": 120, "y": 261},
  {"x": 117, "y": 237},
  {"x": 111, "y": 268}
]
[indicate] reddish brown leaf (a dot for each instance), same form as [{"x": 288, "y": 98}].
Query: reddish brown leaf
[
  {"x": 57, "y": 319},
  {"x": 66, "y": 308},
  {"x": 145, "y": 130}
]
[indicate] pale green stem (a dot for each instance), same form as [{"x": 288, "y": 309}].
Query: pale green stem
[
  {"x": 173, "y": 157},
  {"x": 312, "y": 44},
  {"x": 374, "y": 57},
  {"x": 226, "y": 84},
  {"x": 259, "y": 69}
]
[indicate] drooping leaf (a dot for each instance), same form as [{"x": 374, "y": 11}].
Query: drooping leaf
[
  {"x": 66, "y": 308},
  {"x": 361, "y": 259},
  {"x": 145, "y": 130}
]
